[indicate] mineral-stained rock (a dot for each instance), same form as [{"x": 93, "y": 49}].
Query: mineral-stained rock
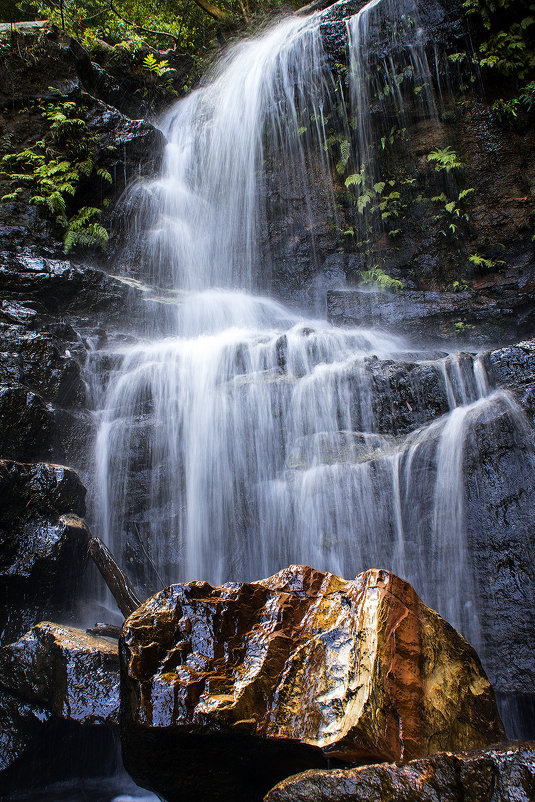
[
  {"x": 43, "y": 543},
  {"x": 504, "y": 773},
  {"x": 215, "y": 680},
  {"x": 65, "y": 671},
  {"x": 54, "y": 674},
  {"x": 514, "y": 368}
]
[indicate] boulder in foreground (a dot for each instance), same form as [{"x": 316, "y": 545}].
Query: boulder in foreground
[
  {"x": 228, "y": 690},
  {"x": 504, "y": 773}
]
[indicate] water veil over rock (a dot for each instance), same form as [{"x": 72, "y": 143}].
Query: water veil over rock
[{"x": 252, "y": 435}]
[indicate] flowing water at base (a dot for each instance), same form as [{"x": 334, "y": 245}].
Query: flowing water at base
[{"x": 252, "y": 436}]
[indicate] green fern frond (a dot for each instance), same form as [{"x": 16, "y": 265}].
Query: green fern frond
[
  {"x": 105, "y": 175},
  {"x": 11, "y": 197}
]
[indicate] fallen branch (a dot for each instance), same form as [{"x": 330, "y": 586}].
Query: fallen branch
[
  {"x": 315, "y": 5},
  {"x": 141, "y": 27},
  {"x": 120, "y": 586}
]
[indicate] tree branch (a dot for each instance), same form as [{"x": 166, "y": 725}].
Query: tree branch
[
  {"x": 140, "y": 27},
  {"x": 213, "y": 11},
  {"x": 120, "y": 586}
]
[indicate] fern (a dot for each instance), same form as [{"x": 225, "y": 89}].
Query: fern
[
  {"x": 82, "y": 232},
  {"x": 159, "y": 68},
  {"x": 445, "y": 159},
  {"x": 105, "y": 175},
  {"x": 11, "y": 196},
  {"x": 378, "y": 278},
  {"x": 355, "y": 179},
  {"x": 345, "y": 152}
]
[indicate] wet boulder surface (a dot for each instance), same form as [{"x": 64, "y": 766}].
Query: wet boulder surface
[
  {"x": 293, "y": 670},
  {"x": 43, "y": 543},
  {"x": 59, "y": 692},
  {"x": 503, "y": 773}
]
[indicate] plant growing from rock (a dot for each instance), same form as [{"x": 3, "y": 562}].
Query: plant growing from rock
[
  {"x": 445, "y": 159},
  {"x": 52, "y": 169},
  {"x": 378, "y": 278}
]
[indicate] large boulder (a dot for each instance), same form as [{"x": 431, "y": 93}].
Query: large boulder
[
  {"x": 43, "y": 543},
  {"x": 55, "y": 682},
  {"x": 505, "y": 773},
  {"x": 225, "y": 689}
]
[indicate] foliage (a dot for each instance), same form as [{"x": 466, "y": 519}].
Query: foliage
[
  {"x": 445, "y": 159},
  {"x": 155, "y": 67},
  {"x": 507, "y": 48},
  {"x": 158, "y": 77},
  {"x": 459, "y": 285},
  {"x": 378, "y": 278},
  {"x": 51, "y": 170},
  {"x": 180, "y": 23},
  {"x": 85, "y": 232},
  {"x": 461, "y": 327},
  {"x": 481, "y": 263},
  {"x": 451, "y": 210}
]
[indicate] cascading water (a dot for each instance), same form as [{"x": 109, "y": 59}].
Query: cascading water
[{"x": 252, "y": 436}]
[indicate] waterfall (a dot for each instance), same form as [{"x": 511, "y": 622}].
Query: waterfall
[{"x": 252, "y": 435}]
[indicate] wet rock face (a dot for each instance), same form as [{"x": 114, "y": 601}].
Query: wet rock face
[
  {"x": 43, "y": 542},
  {"x": 54, "y": 676},
  {"x": 430, "y": 316},
  {"x": 505, "y": 773},
  {"x": 514, "y": 367},
  {"x": 499, "y": 519},
  {"x": 43, "y": 383},
  {"x": 359, "y": 671}
]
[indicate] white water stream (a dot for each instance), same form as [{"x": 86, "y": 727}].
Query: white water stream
[{"x": 251, "y": 437}]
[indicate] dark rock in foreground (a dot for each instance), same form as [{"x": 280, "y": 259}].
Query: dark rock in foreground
[
  {"x": 54, "y": 679},
  {"x": 225, "y": 689},
  {"x": 504, "y": 773},
  {"x": 43, "y": 543}
]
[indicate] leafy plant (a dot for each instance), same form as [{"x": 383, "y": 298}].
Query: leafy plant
[
  {"x": 51, "y": 171},
  {"x": 445, "y": 159},
  {"x": 159, "y": 68},
  {"x": 461, "y": 327},
  {"x": 377, "y": 277},
  {"x": 459, "y": 285},
  {"x": 83, "y": 231},
  {"x": 484, "y": 264},
  {"x": 452, "y": 211}
]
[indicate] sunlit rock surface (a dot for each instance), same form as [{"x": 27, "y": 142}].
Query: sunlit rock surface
[
  {"x": 54, "y": 675},
  {"x": 358, "y": 670},
  {"x": 505, "y": 773}
]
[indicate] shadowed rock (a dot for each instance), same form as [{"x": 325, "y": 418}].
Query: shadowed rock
[
  {"x": 43, "y": 543},
  {"x": 52, "y": 674},
  {"x": 303, "y": 662},
  {"x": 505, "y": 773}
]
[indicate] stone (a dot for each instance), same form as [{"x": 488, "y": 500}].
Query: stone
[
  {"x": 514, "y": 367},
  {"x": 504, "y": 773},
  {"x": 427, "y": 316},
  {"x": 52, "y": 677},
  {"x": 43, "y": 543},
  {"x": 26, "y": 431},
  {"x": 215, "y": 680},
  {"x": 65, "y": 671},
  {"x": 499, "y": 470}
]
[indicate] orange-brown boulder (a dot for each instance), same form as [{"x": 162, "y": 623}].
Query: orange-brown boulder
[{"x": 226, "y": 690}]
